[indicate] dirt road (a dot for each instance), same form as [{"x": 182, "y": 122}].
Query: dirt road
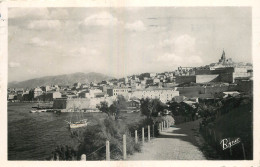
[{"x": 175, "y": 143}]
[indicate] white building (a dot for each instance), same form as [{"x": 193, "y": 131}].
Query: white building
[
  {"x": 91, "y": 93},
  {"x": 164, "y": 94},
  {"x": 56, "y": 95},
  {"x": 37, "y": 92},
  {"x": 119, "y": 91}
]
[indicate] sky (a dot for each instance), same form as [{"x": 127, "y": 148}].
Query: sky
[{"x": 123, "y": 41}]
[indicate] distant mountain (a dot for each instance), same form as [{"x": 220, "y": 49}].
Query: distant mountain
[{"x": 67, "y": 79}]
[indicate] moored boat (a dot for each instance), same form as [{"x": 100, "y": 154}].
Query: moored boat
[
  {"x": 33, "y": 111},
  {"x": 79, "y": 124},
  {"x": 38, "y": 110}
]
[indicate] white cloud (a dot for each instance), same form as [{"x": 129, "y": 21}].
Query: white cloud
[
  {"x": 44, "y": 24},
  {"x": 31, "y": 12},
  {"x": 59, "y": 13},
  {"x": 39, "y": 13},
  {"x": 83, "y": 52},
  {"x": 136, "y": 26},
  {"x": 14, "y": 64},
  {"x": 101, "y": 19},
  {"x": 94, "y": 52},
  {"x": 40, "y": 42},
  {"x": 169, "y": 57},
  {"x": 195, "y": 59},
  {"x": 179, "y": 50},
  {"x": 32, "y": 71}
]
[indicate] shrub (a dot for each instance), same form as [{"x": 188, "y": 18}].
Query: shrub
[{"x": 95, "y": 138}]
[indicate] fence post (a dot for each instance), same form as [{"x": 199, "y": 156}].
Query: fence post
[
  {"x": 244, "y": 153},
  {"x": 230, "y": 151},
  {"x": 83, "y": 157},
  {"x": 160, "y": 127},
  {"x": 57, "y": 157},
  {"x": 124, "y": 146},
  {"x": 136, "y": 137},
  {"x": 148, "y": 133},
  {"x": 153, "y": 130},
  {"x": 143, "y": 135},
  {"x": 215, "y": 136},
  {"x": 107, "y": 151}
]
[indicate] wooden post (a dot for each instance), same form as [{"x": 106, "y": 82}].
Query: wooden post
[
  {"x": 163, "y": 124},
  {"x": 124, "y": 146},
  {"x": 244, "y": 153},
  {"x": 215, "y": 136},
  {"x": 83, "y": 157},
  {"x": 160, "y": 127},
  {"x": 57, "y": 157},
  {"x": 136, "y": 137},
  {"x": 107, "y": 151},
  {"x": 153, "y": 130},
  {"x": 230, "y": 151},
  {"x": 143, "y": 135},
  {"x": 148, "y": 133}
]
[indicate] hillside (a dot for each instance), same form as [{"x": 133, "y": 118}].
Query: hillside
[{"x": 67, "y": 79}]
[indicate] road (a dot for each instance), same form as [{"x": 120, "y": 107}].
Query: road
[{"x": 175, "y": 143}]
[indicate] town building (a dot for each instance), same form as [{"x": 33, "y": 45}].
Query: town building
[
  {"x": 37, "y": 92},
  {"x": 164, "y": 94},
  {"x": 118, "y": 91}
]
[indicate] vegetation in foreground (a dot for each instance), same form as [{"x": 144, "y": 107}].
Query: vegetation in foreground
[{"x": 229, "y": 118}]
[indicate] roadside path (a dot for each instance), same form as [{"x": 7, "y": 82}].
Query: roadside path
[{"x": 175, "y": 143}]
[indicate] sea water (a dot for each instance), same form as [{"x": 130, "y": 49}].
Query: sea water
[{"x": 33, "y": 136}]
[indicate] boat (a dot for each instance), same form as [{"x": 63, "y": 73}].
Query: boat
[
  {"x": 79, "y": 123},
  {"x": 33, "y": 111},
  {"x": 38, "y": 110}
]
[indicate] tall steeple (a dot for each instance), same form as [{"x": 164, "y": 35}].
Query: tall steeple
[{"x": 223, "y": 57}]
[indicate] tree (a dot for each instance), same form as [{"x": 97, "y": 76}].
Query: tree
[
  {"x": 117, "y": 106},
  {"x": 121, "y": 102},
  {"x": 103, "y": 107},
  {"x": 113, "y": 109},
  {"x": 182, "y": 109},
  {"x": 175, "y": 108},
  {"x": 151, "y": 107}
]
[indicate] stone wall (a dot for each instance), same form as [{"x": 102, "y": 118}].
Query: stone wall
[
  {"x": 245, "y": 86},
  {"x": 226, "y": 77},
  {"x": 216, "y": 89},
  {"x": 207, "y": 78},
  {"x": 59, "y": 103},
  {"x": 185, "y": 79},
  {"x": 80, "y": 103},
  {"x": 190, "y": 91}
]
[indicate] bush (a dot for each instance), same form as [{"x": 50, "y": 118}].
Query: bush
[
  {"x": 62, "y": 152},
  {"x": 95, "y": 138}
]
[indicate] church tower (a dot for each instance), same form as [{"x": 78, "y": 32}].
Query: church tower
[{"x": 222, "y": 60}]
